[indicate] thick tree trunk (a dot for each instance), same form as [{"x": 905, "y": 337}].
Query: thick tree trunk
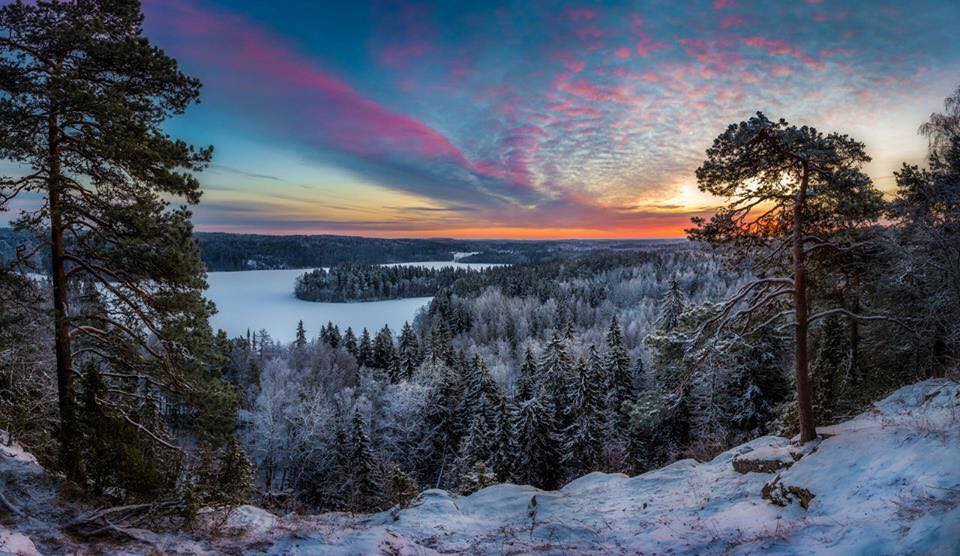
[
  {"x": 808, "y": 430},
  {"x": 66, "y": 390}
]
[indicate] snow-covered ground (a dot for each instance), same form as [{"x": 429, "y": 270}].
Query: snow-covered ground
[
  {"x": 887, "y": 482},
  {"x": 263, "y": 299}
]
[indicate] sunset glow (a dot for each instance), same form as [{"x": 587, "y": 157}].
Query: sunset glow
[{"x": 513, "y": 119}]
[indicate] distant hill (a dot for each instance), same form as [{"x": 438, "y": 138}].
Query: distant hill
[{"x": 224, "y": 251}]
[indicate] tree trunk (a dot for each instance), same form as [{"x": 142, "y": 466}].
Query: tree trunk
[
  {"x": 66, "y": 390},
  {"x": 808, "y": 430}
]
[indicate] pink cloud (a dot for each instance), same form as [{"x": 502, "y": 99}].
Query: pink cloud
[
  {"x": 623, "y": 53},
  {"x": 647, "y": 46},
  {"x": 732, "y": 21},
  {"x": 781, "y": 70},
  {"x": 721, "y": 4},
  {"x": 580, "y": 13},
  {"x": 250, "y": 60}
]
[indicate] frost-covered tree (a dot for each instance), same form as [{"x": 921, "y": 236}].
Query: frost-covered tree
[
  {"x": 554, "y": 376},
  {"x": 526, "y": 383},
  {"x": 408, "y": 350},
  {"x": 583, "y": 437},
  {"x": 350, "y": 343},
  {"x": 366, "y": 492},
  {"x": 617, "y": 379},
  {"x": 365, "y": 349},
  {"x": 672, "y": 305},
  {"x": 538, "y": 448},
  {"x": 927, "y": 212}
]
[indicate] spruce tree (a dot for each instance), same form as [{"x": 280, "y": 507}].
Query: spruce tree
[
  {"x": 350, "y": 343},
  {"x": 537, "y": 456},
  {"x": 672, "y": 305},
  {"x": 365, "y": 350},
  {"x": 618, "y": 381},
  {"x": 85, "y": 96},
  {"x": 301, "y": 342},
  {"x": 409, "y": 351},
  {"x": 554, "y": 375},
  {"x": 235, "y": 477},
  {"x": 366, "y": 491},
  {"x": 583, "y": 437},
  {"x": 384, "y": 352},
  {"x": 526, "y": 378}
]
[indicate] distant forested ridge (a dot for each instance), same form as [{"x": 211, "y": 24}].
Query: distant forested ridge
[
  {"x": 222, "y": 251},
  {"x": 231, "y": 252},
  {"x": 366, "y": 282}
]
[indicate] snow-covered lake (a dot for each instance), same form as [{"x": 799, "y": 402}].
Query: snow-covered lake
[{"x": 263, "y": 299}]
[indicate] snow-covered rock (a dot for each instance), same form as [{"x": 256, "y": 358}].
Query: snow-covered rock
[
  {"x": 16, "y": 543},
  {"x": 887, "y": 482},
  {"x": 245, "y": 521}
]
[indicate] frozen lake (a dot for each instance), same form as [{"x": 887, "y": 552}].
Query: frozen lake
[{"x": 263, "y": 299}]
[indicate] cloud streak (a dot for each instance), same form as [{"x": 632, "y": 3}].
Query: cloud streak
[{"x": 505, "y": 116}]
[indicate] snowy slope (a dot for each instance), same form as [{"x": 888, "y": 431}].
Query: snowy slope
[{"x": 887, "y": 482}]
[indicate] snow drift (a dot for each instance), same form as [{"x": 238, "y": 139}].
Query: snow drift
[{"x": 886, "y": 482}]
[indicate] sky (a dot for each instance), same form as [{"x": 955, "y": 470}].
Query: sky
[{"x": 528, "y": 119}]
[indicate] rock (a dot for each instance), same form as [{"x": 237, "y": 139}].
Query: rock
[
  {"x": 12, "y": 542},
  {"x": 766, "y": 459}
]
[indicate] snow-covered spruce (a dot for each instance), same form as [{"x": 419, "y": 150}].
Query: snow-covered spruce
[{"x": 886, "y": 482}]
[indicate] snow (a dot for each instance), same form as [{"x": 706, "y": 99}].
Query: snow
[
  {"x": 13, "y": 451},
  {"x": 263, "y": 299},
  {"x": 16, "y": 543},
  {"x": 239, "y": 521},
  {"x": 886, "y": 482}
]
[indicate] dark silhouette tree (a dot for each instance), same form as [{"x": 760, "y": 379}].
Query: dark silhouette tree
[{"x": 790, "y": 191}]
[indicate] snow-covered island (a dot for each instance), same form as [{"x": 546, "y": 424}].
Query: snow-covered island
[{"x": 886, "y": 482}]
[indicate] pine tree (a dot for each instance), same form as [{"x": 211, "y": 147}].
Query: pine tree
[
  {"x": 502, "y": 461},
  {"x": 85, "y": 96},
  {"x": 794, "y": 197},
  {"x": 476, "y": 477}
]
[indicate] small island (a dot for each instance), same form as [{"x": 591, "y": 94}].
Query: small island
[{"x": 348, "y": 282}]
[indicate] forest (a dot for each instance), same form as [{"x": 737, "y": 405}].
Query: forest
[
  {"x": 807, "y": 296},
  {"x": 364, "y": 282}
]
